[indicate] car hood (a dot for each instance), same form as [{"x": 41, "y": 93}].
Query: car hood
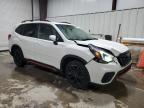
[{"x": 114, "y": 47}]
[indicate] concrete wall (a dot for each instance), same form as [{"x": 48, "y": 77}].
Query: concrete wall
[{"x": 13, "y": 12}]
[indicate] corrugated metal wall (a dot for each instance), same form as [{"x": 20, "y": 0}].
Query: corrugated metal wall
[
  {"x": 13, "y": 12},
  {"x": 36, "y": 9},
  {"x": 71, "y": 7},
  {"x": 132, "y": 22},
  {"x": 127, "y": 4}
]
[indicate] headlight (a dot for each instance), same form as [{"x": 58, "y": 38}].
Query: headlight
[{"x": 101, "y": 56}]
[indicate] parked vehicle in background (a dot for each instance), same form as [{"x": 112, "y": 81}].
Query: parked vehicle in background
[{"x": 81, "y": 58}]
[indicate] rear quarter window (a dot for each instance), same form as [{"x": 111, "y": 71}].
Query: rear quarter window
[
  {"x": 29, "y": 30},
  {"x": 20, "y": 29}
]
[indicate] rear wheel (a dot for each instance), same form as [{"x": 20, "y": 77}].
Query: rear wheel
[
  {"x": 77, "y": 74},
  {"x": 18, "y": 57}
]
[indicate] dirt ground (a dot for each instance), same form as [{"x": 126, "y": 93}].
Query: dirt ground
[{"x": 34, "y": 87}]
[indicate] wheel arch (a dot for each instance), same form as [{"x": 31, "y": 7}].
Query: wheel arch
[
  {"x": 14, "y": 47},
  {"x": 68, "y": 58}
]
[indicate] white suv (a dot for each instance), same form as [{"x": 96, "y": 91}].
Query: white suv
[{"x": 65, "y": 47}]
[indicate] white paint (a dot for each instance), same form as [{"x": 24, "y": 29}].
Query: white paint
[{"x": 44, "y": 51}]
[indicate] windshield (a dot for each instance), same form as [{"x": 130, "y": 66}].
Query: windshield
[{"x": 74, "y": 33}]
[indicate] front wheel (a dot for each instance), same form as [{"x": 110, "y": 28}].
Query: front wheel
[{"x": 77, "y": 74}]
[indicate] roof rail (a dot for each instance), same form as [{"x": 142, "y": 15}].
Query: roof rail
[
  {"x": 46, "y": 20},
  {"x": 66, "y": 22},
  {"x": 25, "y": 21},
  {"x": 34, "y": 20}
]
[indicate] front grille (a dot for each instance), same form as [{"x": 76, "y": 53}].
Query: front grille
[{"x": 124, "y": 58}]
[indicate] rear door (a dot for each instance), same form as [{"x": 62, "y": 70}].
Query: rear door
[{"x": 27, "y": 37}]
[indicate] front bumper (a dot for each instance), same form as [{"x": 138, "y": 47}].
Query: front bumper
[
  {"x": 126, "y": 69},
  {"x": 103, "y": 74}
]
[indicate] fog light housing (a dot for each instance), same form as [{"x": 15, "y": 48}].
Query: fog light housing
[{"x": 107, "y": 77}]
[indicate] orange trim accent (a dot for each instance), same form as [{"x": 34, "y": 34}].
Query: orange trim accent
[
  {"x": 141, "y": 60},
  {"x": 41, "y": 64}
]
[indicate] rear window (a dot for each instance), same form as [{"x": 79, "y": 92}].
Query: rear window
[{"x": 30, "y": 30}]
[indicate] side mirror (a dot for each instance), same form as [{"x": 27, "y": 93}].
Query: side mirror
[{"x": 53, "y": 38}]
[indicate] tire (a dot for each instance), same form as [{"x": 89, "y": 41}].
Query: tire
[
  {"x": 77, "y": 74},
  {"x": 18, "y": 57}
]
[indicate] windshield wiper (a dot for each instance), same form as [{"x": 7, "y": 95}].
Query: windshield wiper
[
  {"x": 89, "y": 39},
  {"x": 84, "y": 39}
]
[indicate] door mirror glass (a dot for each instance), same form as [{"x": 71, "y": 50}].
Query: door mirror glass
[{"x": 52, "y": 37}]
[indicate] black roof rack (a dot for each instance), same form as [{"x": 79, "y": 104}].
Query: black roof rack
[
  {"x": 34, "y": 20},
  {"x": 25, "y": 21},
  {"x": 66, "y": 22}
]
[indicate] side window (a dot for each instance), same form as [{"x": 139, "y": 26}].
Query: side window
[
  {"x": 30, "y": 30},
  {"x": 46, "y": 30},
  {"x": 20, "y": 29}
]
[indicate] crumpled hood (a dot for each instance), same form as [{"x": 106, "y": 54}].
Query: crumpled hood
[{"x": 114, "y": 47}]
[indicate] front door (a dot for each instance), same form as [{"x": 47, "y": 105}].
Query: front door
[
  {"x": 27, "y": 38},
  {"x": 46, "y": 51}
]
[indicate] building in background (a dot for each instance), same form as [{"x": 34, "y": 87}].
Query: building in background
[
  {"x": 94, "y": 16},
  {"x": 97, "y": 16},
  {"x": 11, "y": 13}
]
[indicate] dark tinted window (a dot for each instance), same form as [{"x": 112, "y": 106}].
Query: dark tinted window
[
  {"x": 74, "y": 33},
  {"x": 46, "y": 30},
  {"x": 19, "y": 29},
  {"x": 30, "y": 30}
]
